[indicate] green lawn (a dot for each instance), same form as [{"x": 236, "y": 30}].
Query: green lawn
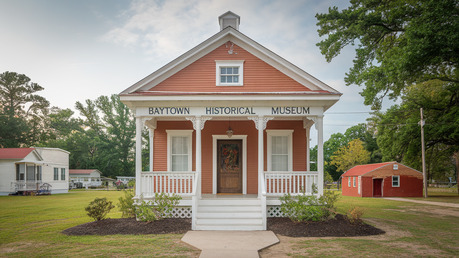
[
  {"x": 413, "y": 230},
  {"x": 31, "y": 225}
]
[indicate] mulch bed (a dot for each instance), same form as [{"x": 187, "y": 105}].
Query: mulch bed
[{"x": 338, "y": 227}]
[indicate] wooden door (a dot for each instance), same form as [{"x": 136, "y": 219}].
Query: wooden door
[
  {"x": 229, "y": 166},
  {"x": 377, "y": 187}
]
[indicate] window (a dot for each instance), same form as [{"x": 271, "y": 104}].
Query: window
[
  {"x": 56, "y": 174},
  {"x": 39, "y": 173},
  {"x": 349, "y": 182},
  {"x": 20, "y": 171},
  {"x": 179, "y": 150},
  {"x": 229, "y": 73},
  {"x": 395, "y": 181},
  {"x": 279, "y": 150},
  {"x": 62, "y": 173},
  {"x": 353, "y": 181}
]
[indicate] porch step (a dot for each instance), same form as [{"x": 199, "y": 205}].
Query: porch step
[{"x": 229, "y": 214}]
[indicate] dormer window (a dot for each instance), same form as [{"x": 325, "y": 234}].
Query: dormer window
[{"x": 230, "y": 73}]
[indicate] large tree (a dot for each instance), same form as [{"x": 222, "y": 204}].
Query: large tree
[
  {"x": 22, "y": 111},
  {"x": 107, "y": 143},
  {"x": 399, "y": 42}
]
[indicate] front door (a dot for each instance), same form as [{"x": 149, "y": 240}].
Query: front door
[
  {"x": 377, "y": 187},
  {"x": 229, "y": 166}
]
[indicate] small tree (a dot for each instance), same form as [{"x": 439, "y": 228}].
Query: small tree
[
  {"x": 126, "y": 204},
  {"x": 350, "y": 155}
]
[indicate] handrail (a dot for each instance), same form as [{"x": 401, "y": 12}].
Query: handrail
[{"x": 178, "y": 182}]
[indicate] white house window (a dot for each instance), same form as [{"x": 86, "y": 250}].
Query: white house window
[
  {"x": 39, "y": 173},
  {"x": 179, "y": 150},
  {"x": 279, "y": 150},
  {"x": 56, "y": 174},
  {"x": 353, "y": 182},
  {"x": 395, "y": 181},
  {"x": 62, "y": 173},
  {"x": 349, "y": 182},
  {"x": 230, "y": 73}
]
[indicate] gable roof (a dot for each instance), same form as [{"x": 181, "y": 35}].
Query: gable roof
[
  {"x": 15, "y": 153},
  {"x": 228, "y": 34},
  {"x": 82, "y": 171},
  {"x": 363, "y": 169}
]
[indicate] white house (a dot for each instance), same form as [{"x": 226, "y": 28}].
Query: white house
[
  {"x": 87, "y": 177},
  {"x": 229, "y": 124},
  {"x": 38, "y": 169},
  {"x": 125, "y": 179}
]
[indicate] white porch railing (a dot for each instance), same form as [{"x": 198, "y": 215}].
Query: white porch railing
[
  {"x": 25, "y": 185},
  {"x": 181, "y": 183},
  {"x": 293, "y": 182}
]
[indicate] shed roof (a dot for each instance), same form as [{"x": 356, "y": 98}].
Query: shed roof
[
  {"x": 363, "y": 169},
  {"x": 82, "y": 171},
  {"x": 15, "y": 153}
]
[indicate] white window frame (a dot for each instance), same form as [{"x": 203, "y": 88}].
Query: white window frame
[
  {"x": 172, "y": 133},
  {"x": 55, "y": 174},
  {"x": 229, "y": 63},
  {"x": 63, "y": 174},
  {"x": 353, "y": 181},
  {"x": 348, "y": 181},
  {"x": 289, "y": 134},
  {"x": 398, "y": 181}
]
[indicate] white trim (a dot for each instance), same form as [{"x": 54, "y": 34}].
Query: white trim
[
  {"x": 229, "y": 63},
  {"x": 189, "y": 134},
  {"x": 398, "y": 181},
  {"x": 359, "y": 182},
  {"x": 214, "y": 160},
  {"x": 353, "y": 181},
  {"x": 289, "y": 134}
]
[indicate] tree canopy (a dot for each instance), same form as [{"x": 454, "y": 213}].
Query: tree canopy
[
  {"x": 22, "y": 111},
  {"x": 350, "y": 155},
  {"x": 399, "y": 43}
]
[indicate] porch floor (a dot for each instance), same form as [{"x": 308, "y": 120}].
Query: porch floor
[{"x": 229, "y": 196}]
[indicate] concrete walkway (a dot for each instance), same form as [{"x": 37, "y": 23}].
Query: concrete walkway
[
  {"x": 230, "y": 243},
  {"x": 444, "y": 204}
]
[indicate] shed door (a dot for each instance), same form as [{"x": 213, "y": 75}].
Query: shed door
[
  {"x": 229, "y": 166},
  {"x": 377, "y": 187}
]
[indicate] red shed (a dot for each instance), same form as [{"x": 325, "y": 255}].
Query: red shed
[{"x": 389, "y": 179}]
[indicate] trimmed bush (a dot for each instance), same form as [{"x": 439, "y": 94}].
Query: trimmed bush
[
  {"x": 160, "y": 208},
  {"x": 99, "y": 208},
  {"x": 126, "y": 204}
]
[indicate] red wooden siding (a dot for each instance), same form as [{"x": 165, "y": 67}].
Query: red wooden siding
[
  {"x": 409, "y": 187},
  {"x": 258, "y": 75}
]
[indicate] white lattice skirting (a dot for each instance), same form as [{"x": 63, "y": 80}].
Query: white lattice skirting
[
  {"x": 181, "y": 212},
  {"x": 185, "y": 212},
  {"x": 274, "y": 211}
]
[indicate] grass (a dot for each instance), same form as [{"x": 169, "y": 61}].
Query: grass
[
  {"x": 412, "y": 230},
  {"x": 31, "y": 226}
]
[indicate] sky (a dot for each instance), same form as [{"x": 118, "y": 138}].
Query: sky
[{"x": 82, "y": 49}]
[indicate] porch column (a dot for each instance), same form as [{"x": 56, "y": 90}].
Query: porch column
[
  {"x": 198, "y": 125},
  {"x": 260, "y": 124},
  {"x": 307, "y": 126},
  {"x": 138, "y": 154},
  {"x": 320, "y": 153},
  {"x": 151, "y": 133}
]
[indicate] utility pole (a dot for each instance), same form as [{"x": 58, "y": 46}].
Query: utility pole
[{"x": 424, "y": 173}]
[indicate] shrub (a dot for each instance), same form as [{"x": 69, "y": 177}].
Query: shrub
[
  {"x": 309, "y": 207},
  {"x": 354, "y": 215},
  {"x": 160, "y": 208},
  {"x": 126, "y": 204},
  {"x": 99, "y": 208}
]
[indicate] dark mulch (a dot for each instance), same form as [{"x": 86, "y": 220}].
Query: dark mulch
[
  {"x": 338, "y": 227},
  {"x": 130, "y": 227}
]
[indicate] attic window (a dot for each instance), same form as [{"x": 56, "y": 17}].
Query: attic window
[{"x": 230, "y": 73}]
